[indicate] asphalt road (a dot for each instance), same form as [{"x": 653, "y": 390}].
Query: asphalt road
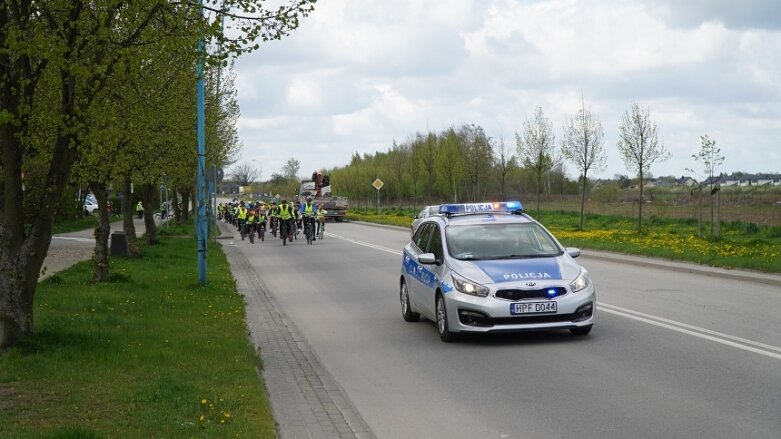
[{"x": 672, "y": 354}]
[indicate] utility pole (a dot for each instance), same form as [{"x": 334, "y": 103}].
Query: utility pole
[{"x": 201, "y": 231}]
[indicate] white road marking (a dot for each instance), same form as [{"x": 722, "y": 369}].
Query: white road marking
[
  {"x": 696, "y": 331},
  {"x": 366, "y": 244}
]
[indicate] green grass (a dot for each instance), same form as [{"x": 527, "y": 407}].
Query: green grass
[
  {"x": 742, "y": 244},
  {"x": 88, "y": 222},
  {"x": 149, "y": 354}
]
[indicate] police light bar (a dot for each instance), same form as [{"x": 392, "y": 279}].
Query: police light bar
[{"x": 505, "y": 206}]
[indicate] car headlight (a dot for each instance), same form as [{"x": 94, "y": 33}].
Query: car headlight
[
  {"x": 580, "y": 282},
  {"x": 471, "y": 288}
]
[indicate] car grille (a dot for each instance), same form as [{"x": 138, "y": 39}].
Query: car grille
[{"x": 543, "y": 293}]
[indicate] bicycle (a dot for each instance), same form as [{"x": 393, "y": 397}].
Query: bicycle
[
  {"x": 250, "y": 230},
  {"x": 261, "y": 230},
  {"x": 274, "y": 226},
  {"x": 321, "y": 232},
  {"x": 309, "y": 230},
  {"x": 285, "y": 232},
  {"x": 160, "y": 216}
]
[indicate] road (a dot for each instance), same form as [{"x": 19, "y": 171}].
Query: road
[{"x": 672, "y": 354}]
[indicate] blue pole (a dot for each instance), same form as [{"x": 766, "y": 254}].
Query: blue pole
[{"x": 201, "y": 171}]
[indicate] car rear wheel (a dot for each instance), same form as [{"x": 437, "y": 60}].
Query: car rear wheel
[
  {"x": 443, "y": 324},
  {"x": 406, "y": 307},
  {"x": 583, "y": 330}
]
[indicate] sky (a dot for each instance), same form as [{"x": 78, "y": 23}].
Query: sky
[{"x": 360, "y": 74}]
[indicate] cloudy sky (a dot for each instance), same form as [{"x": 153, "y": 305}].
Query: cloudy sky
[{"x": 359, "y": 74}]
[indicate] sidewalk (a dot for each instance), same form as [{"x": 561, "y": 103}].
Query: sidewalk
[
  {"x": 66, "y": 249},
  {"x": 305, "y": 400}
]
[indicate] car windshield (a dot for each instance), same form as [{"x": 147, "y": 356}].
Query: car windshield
[{"x": 500, "y": 241}]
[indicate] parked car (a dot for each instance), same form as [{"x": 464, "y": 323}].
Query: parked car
[
  {"x": 489, "y": 267},
  {"x": 90, "y": 204},
  {"x": 425, "y": 213}
]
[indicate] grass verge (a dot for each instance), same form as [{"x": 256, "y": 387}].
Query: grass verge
[
  {"x": 742, "y": 245},
  {"x": 149, "y": 354}
]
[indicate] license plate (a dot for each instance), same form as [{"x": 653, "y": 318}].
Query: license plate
[{"x": 533, "y": 307}]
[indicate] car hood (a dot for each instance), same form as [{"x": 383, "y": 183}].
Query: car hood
[{"x": 559, "y": 268}]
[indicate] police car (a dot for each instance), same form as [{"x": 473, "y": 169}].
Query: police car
[{"x": 489, "y": 267}]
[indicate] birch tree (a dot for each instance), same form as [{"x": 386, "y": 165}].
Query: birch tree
[
  {"x": 536, "y": 147},
  {"x": 583, "y": 144}
]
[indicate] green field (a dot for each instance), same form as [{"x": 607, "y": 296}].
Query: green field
[
  {"x": 743, "y": 245},
  {"x": 148, "y": 354}
]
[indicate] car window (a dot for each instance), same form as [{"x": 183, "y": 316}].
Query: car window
[
  {"x": 500, "y": 241},
  {"x": 422, "y": 236},
  {"x": 422, "y": 213},
  {"x": 435, "y": 243}
]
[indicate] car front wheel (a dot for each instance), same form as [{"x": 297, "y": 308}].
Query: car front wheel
[
  {"x": 443, "y": 324},
  {"x": 406, "y": 307}
]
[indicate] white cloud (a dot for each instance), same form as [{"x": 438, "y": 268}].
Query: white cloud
[{"x": 360, "y": 73}]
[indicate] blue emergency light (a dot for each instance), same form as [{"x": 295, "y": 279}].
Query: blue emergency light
[{"x": 505, "y": 206}]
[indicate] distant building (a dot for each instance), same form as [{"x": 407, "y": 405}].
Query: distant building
[{"x": 742, "y": 180}]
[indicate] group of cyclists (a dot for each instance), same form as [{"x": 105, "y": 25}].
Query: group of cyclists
[{"x": 285, "y": 219}]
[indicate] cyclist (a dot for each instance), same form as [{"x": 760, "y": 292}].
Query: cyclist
[
  {"x": 249, "y": 226},
  {"x": 260, "y": 220},
  {"x": 308, "y": 211},
  {"x": 286, "y": 218},
  {"x": 273, "y": 214},
  {"x": 320, "y": 220},
  {"x": 241, "y": 216}
]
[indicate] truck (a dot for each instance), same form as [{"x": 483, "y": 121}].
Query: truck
[{"x": 319, "y": 188}]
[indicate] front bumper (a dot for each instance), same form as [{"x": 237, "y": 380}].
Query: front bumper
[{"x": 468, "y": 313}]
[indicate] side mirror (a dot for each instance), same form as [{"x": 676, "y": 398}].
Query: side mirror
[
  {"x": 427, "y": 259},
  {"x": 573, "y": 251}
]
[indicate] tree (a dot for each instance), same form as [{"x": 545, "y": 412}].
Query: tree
[
  {"x": 536, "y": 148},
  {"x": 291, "y": 168},
  {"x": 711, "y": 158},
  {"x": 584, "y": 145},
  {"x": 639, "y": 146},
  {"x": 244, "y": 174},
  {"x": 504, "y": 162},
  {"x": 57, "y": 58}
]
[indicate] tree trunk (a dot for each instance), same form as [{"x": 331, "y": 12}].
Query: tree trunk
[
  {"x": 583, "y": 201},
  {"x": 185, "y": 193},
  {"x": 699, "y": 215},
  {"x": 22, "y": 254},
  {"x": 539, "y": 190},
  {"x": 177, "y": 209},
  {"x": 640, "y": 205},
  {"x": 128, "y": 226},
  {"x": 717, "y": 220},
  {"x": 148, "y": 193},
  {"x": 100, "y": 269}
]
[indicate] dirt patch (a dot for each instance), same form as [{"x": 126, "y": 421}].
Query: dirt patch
[{"x": 7, "y": 397}]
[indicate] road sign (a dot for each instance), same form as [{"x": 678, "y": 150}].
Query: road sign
[{"x": 378, "y": 184}]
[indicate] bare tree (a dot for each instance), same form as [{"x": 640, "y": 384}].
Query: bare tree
[
  {"x": 504, "y": 162},
  {"x": 639, "y": 146},
  {"x": 584, "y": 145},
  {"x": 536, "y": 148},
  {"x": 245, "y": 173}
]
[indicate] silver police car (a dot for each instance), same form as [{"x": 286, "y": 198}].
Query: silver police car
[{"x": 489, "y": 267}]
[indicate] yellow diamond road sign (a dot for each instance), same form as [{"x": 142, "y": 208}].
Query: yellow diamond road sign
[{"x": 377, "y": 184}]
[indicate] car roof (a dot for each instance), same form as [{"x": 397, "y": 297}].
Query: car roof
[{"x": 480, "y": 218}]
